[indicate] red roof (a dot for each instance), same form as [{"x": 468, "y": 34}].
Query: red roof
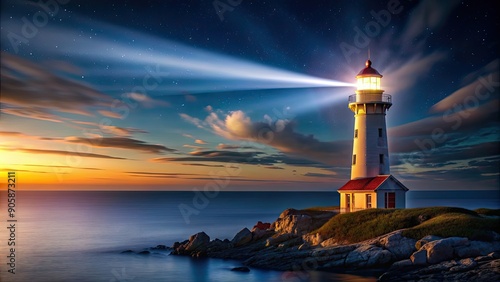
[{"x": 366, "y": 184}]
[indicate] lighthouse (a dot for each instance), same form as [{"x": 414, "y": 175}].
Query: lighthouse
[{"x": 371, "y": 184}]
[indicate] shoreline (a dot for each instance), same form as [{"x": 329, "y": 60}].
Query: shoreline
[{"x": 290, "y": 244}]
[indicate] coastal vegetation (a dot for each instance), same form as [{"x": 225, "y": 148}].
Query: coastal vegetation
[{"x": 418, "y": 222}]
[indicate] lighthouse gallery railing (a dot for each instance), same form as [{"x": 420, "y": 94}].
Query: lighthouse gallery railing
[{"x": 369, "y": 98}]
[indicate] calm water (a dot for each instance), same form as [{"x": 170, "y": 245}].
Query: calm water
[{"x": 79, "y": 236}]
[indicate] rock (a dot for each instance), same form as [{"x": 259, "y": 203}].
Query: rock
[
  {"x": 160, "y": 247},
  {"x": 368, "y": 256},
  {"x": 218, "y": 245},
  {"x": 144, "y": 253},
  {"x": 464, "y": 264},
  {"x": 279, "y": 239},
  {"x": 476, "y": 248},
  {"x": 442, "y": 250},
  {"x": 401, "y": 264},
  {"x": 294, "y": 224},
  {"x": 425, "y": 240},
  {"x": 243, "y": 237},
  {"x": 176, "y": 245},
  {"x": 262, "y": 226},
  {"x": 401, "y": 247},
  {"x": 304, "y": 246},
  {"x": 200, "y": 254},
  {"x": 197, "y": 242},
  {"x": 312, "y": 239},
  {"x": 127, "y": 252},
  {"x": 462, "y": 270},
  {"x": 258, "y": 234},
  {"x": 329, "y": 242},
  {"x": 241, "y": 269},
  {"x": 300, "y": 222},
  {"x": 419, "y": 257},
  {"x": 495, "y": 255}
]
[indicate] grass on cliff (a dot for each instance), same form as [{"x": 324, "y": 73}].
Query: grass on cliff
[{"x": 441, "y": 221}]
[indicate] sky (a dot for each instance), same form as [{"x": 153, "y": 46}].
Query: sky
[{"x": 244, "y": 95}]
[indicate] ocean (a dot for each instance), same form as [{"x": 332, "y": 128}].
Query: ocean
[{"x": 80, "y": 235}]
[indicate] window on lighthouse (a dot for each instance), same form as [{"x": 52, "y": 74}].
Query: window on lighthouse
[
  {"x": 365, "y": 83},
  {"x": 353, "y": 159},
  {"x": 381, "y": 158},
  {"x": 355, "y": 133}
]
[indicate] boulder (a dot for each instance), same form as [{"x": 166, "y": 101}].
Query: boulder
[
  {"x": 300, "y": 222},
  {"x": 476, "y": 248},
  {"x": 442, "y": 250},
  {"x": 294, "y": 224},
  {"x": 197, "y": 242},
  {"x": 425, "y": 240},
  {"x": 419, "y": 257},
  {"x": 402, "y": 247},
  {"x": 243, "y": 237},
  {"x": 368, "y": 256}
]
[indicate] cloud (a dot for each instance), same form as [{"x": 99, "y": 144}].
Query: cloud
[
  {"x": 406, "y": 73},
  {"x": 206, "y": 165},
  {"x": 110, "y": 114},
  {"x": 121, "y": 143},
  {"x": 482, "y": 89},
  {"x": 273, "y": 161},
  {"x": 27, "y": 85},
  {"x": 192, "y": 120},
  {"x": 199, "y": 141},
  {"x": 159, "y": 174},
  {"x": 280, "y": 135},
  {"x": 436, "y": 131},
  {"x": 221, "y": 156},
  {"x": 427, "y": 15},
  {"x": 193, "y": 147},
  {"x": 22, "y": 170},
  {"x": 66, "y": 153},
  {"x": 32, "y": 112},
  {"x": 121, "y": 131},
  {"x": 63, "y": 166},
  {"x": 222, "y": 146},
  {"x": 145, "y": 100},
  {"x": 273, "y": 167},
  {"x": 12, "y": 133},
  {"x": 209, "y": 108},
  {"x": 314, "y": 174}
]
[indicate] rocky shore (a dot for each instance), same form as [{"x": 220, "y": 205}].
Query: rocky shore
[{"x": 288, "y": 244}]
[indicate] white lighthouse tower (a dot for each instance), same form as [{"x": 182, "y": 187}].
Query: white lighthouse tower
[{"x": 371, "y": 183}]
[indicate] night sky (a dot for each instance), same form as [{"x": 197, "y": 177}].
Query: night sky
[{"x": 250, "y": 95}]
